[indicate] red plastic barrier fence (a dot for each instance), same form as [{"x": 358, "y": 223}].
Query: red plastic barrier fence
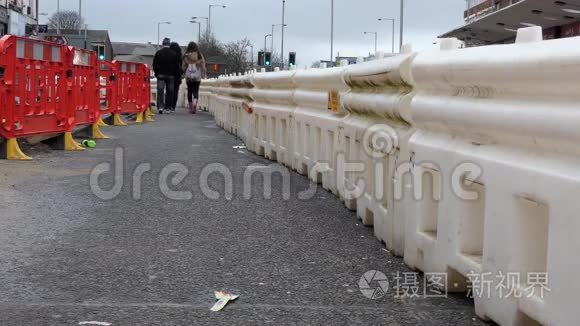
[
  {"x": 131, "y": 82},
  {"x": 84, "y": 106},
  {"x": 47, "y": 88},
  {"x": 33, "y": 87},
  {"x": 108, "y": 87}
]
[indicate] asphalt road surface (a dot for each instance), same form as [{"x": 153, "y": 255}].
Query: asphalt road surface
[{"x": 69, "y": 257}]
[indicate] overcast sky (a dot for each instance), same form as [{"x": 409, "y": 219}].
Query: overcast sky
[{"x": 308, "y": 31}]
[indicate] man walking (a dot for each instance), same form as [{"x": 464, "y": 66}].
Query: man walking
[{"x": 165, "y": 66}]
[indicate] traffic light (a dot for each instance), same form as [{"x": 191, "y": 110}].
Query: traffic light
[
  {"x": 101, "y": 53},
  {"x": 292, "y": 59},
  {"x": 268, "y": 59},
  {"x": 100, "y": 49},
  {"x": 261, "y": 58}
]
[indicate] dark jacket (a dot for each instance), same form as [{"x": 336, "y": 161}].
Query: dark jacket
[
  {"x": 166, "y": 62},
  {"x": 175, "y": 47}
]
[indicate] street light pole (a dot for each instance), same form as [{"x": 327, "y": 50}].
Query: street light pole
[
  {"x": 198, "y": 32},
  {"x": 283, "y": 27},
  {"x": 266, "y": 42},
  {"x": 209, "y": 20},
  {"x": 331, "y": 30},
  {"x": 252, "y": 54},
  {"x": 376, "y": 39},
  {"x": 272, "y": 43},
  {"x": 393, "y": 31},
  {"x": 198, "y": 29},
  {"x": 159, "y": 32},
  {"x": 273, "y": 33},
  {"x": 402, "y": 25},
  {"x": 206, "y": 21},
  {"x": 209, "y": 17},
  {"x": 80, "y": 13}
]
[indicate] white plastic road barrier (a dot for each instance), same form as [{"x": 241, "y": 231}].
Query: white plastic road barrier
[
  {"x": 509, "y": 111},
  {"x": 316, "y": 127},
  {"x": 376, "y": 132},
  {"x": 153, "y": 92},
  {"x": 481, "y": 177},
  {"x": 232, "y": 100},
  {"x": 241, "y": 104},
  {"x": 182, "y": 95},
  {"x": 205, "y": 94},
  {"x": 272, "y": 115}
]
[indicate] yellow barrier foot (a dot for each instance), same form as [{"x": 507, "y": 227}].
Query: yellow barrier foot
[
  {"x": 139, "y": 117},
  {"x": 149, "y": 116},
  {"x": 13, "y": 152},
  {"x": 70, "y": 143},
  {"x": 101, "y": 123},
  {"x": 117, "y": 121},
  {"x": 96, "y": 132}
]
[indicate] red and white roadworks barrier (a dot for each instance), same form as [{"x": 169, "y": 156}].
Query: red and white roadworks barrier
[
  {"x": 49, "y": 89},
  {"x": 477, "y": 152}
]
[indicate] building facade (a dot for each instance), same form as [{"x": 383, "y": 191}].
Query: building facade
[
  {"x": 497, "y": 21},
  {"x": 135, "y": 52},
  {"x": 16, "y": 15}
]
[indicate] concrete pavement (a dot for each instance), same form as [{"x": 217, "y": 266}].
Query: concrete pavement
[{"x": 69, "y": 257}]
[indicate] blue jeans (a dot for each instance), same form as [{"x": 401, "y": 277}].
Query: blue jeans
[{"x": 165, "y": 86}]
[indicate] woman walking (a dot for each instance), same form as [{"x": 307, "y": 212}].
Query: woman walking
[
  {"x": 178, "y": 75},
  {"x": 194, "y": 67}
]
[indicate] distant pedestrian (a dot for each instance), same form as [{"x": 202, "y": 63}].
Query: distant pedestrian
[
  {"x": 178, "y": 76},
  {"x": 194, "y": 70},
  {"x": 165, "y": 66}
]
